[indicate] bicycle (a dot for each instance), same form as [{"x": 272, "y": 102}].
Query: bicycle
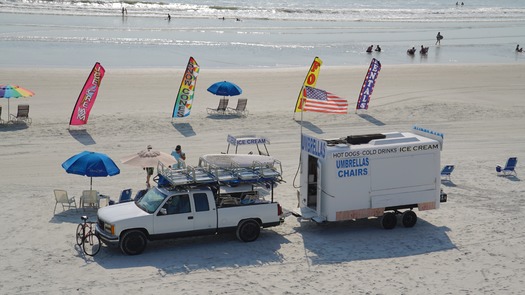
[{"x": 86, "y": 237}]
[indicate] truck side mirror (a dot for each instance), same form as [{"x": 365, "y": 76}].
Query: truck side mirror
[{"x": 163, "y": 211}]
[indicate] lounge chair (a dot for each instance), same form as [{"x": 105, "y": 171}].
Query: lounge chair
[
  {"x": 509, "y": 168},
  {"x": 240, "y": 109},
  {"x": 221, "y": 109},
  {"x": 90, "y": 199},
  {"x": 62, "y": 198},
  {"x": 22, "y": 115},
  {"x": 1, "y": 121},
  {"x": 125, "y": 196},
  {"x": 446, "y": 171}
]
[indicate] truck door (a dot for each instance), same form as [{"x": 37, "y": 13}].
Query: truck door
[
  {"x": 175, "y": 216},
  {"x": 205, "y": 212}
]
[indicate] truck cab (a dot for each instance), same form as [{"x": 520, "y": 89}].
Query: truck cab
[{"x": 174, "y": 212}]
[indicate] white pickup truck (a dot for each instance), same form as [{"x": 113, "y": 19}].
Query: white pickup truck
[{"x": 187, "y": 211}]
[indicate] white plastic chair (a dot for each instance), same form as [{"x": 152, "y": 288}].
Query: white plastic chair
[
  {"x": 62, "y": 198},
  {"x": 90, "y": 199}
]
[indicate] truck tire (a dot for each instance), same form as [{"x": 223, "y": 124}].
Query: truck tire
[
  {"x": 388, "y": 220},
  {"x": 248, "y": 230},
  {"x": 409, "y": 218},
  {"x": 133, "y": 242}
]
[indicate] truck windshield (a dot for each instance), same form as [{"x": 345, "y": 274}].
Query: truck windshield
[{"x": 151, "y": 200}]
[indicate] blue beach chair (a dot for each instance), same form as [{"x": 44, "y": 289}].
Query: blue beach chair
[
  {"x": 125, "y": 196},
  {"x": 446, "y": 171},
  {"x": 509, "y": 168}
]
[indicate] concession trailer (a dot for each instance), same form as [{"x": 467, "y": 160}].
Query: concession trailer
[{"x": 372, "y": 175}]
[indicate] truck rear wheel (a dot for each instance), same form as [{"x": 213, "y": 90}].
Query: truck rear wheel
[
  {"x": 409, "y": 218},
  {"x": 133, "y": 242},
  {"x": 248, "y": 230},
  {"x": 388, "y": 220}
]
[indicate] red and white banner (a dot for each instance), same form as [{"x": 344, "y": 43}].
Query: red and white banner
[
  {"x": 320, "y": 101},
  {"x": 87, "y": 96}
]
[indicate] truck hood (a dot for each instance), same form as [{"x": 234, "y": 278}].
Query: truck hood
[{"x": 115, "y": 213}]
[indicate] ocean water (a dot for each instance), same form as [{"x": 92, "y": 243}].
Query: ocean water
[{"x": 256, "y": 33}]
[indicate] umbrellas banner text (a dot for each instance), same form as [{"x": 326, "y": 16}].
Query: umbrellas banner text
[
  {"x": 14, "y": 91},
  {"x": 225, "y": 88},
  {"x": 91, "y": 164}
]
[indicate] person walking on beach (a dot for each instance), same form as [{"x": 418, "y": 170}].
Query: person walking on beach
[
  {"x": 179, "y": 155},
  {"x": 149, "y": 170},
  {"x": 149, "y": 173},
  {"x": 169, "y": 17},
  {"x": 438, "y": 38}
]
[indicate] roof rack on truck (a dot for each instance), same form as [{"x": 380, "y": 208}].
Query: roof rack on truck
[{"x": 223, "y": 169}]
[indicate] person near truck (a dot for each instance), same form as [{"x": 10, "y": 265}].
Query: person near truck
[{"x": 179, "y": 155}]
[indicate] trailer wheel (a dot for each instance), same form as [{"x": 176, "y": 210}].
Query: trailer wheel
[
  {"x": 388, "y": 220},
  {"x": 409, "y": 218},
  {"x": 133, "y": 242},
  {"x": 248, "y": 230}
]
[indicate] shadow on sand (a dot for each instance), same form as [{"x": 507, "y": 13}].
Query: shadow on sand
[
  {"x": 448, "y": 182},
  {"x": 511, "y": 177},
  {"x": 184, "y": 128},
  {"x": 365, "y": 240},
  {"x": 372, "y": 119},
  {"x": 187, "y": 255},
  {"x": 72, "y": 216},
  {"x": 6, "y": 127},
  {"x": 310, "y": 126},
  {"x": 82, "y": 136}
]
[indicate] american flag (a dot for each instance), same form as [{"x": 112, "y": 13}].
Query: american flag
[{"x": 320, "y": 101}]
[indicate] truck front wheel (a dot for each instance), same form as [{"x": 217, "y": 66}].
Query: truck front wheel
[
  {"x": 388, "y": 220},
  {"x": 248, "y": 230},
  {"x": 133, "y": 242},
  {"x": 409, "y": 218}
]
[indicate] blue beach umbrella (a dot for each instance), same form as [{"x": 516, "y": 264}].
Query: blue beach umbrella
[
  {"x": 91, "y": 164},
  {"x": 225, "y": 88}
]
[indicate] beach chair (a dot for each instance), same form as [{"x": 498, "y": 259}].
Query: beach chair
[
  {"x": 221, "y": 109},
  {"x": 140, "y": 194},
  {"x": 125, "y": 196},
  {"x": 240, "y": 110},
  {"x": 22, "y": 115},
  {"x": 62, "y": 198},
  {"x": 509, "y": 168},
  {"x": 89, "y": 198},
  {"x": 446, "y": 171},
  {"x": 1, "y": 121}
]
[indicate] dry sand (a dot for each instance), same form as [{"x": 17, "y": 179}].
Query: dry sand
[{"x": 473, "y": 244}]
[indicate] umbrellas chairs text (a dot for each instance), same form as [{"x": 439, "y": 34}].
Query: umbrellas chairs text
[
  {"x": 225, "y": 88},
  {"x": 14, "y": 91},
  {"x": 91, "y": 164}
]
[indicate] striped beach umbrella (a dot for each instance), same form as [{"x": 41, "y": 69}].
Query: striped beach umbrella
[{"x": 14, "y": 91}]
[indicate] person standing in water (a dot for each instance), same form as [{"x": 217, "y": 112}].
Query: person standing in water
[{"x": 438, "y": 38}]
